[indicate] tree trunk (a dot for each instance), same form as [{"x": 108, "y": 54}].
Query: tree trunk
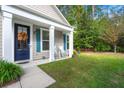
[
  {"x": 115, "y": 49},
  {"x": 93, "y": 11}
]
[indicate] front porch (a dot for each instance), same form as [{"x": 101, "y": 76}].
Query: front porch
[
  {"x": 46, "y": 40},
  {"x": 45, "y": 43}
]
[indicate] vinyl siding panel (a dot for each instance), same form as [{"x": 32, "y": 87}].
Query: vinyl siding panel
[
  {"x": 0, "y": 35},
  {"x": 59, "y": 39},
  {"x": 58, "y": 44},
  {"x": 47, "y": 10}
]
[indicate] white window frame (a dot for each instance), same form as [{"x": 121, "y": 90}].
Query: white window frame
[
  {"x": 44, "y": 40},
  {"x": 41, "y": 39}
]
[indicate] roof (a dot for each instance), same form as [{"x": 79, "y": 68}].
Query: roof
[{"x": 50, "y": 12}]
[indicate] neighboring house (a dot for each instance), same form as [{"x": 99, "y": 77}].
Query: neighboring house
[{"x": 34, "y": 32}]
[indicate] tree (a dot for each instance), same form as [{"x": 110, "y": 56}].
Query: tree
[
  {"x": 113, "y": 32},
  {"x": 95, "y": 24}
]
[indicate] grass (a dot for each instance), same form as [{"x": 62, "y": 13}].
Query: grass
[
  {"x": 9, "y": 72},
  {"x": 92, "y": 70}
]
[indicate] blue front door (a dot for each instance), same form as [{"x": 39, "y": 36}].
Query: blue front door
[{"x": 22, "y": 41}]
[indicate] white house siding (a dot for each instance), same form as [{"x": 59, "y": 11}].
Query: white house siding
[
  {"x": 58, "y": 39},
  {"x": 0, "y": 34},
  {"x": 47, "y": 10},
  {"x": 58, "y": 44}
]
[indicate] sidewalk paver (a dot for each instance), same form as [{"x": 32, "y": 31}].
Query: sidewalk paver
[{"x": 33, "y": 77}]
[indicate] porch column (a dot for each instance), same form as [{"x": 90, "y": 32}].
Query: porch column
[
  {"x": 7, "y": 37},
  {"x": 51, "y": 43},
  {"x": 71, "y": 44}
]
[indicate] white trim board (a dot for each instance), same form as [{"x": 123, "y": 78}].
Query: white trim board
[
  {"x": 59, "y": 12},
  {"x": 33, "y": 17},
  {"x": 7, "y": 49}
]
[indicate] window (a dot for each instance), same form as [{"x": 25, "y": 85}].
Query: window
[
  {"x": 67, "y": 42},
  {"x": 45, "y": 40},
  {"x": 22, "y": 37},
  {"x": 42, "y": 39}
]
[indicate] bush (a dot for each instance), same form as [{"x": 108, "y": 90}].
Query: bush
[
  {"x": 9, "y": 72},
  {"x": 102, "y": 47},
  {"x": 120, "y": 49},
  {"x": 75, "y": 53}
]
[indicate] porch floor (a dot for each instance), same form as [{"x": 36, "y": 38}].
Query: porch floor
[
  {"x": 34, "y": 63},
  {"x": 38, "y": 62}
]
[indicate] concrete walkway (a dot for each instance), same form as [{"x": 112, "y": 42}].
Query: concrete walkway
[{"x": 33, "y": 77}]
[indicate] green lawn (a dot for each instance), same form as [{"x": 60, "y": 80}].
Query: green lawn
[{"x": 88, "y": 70}]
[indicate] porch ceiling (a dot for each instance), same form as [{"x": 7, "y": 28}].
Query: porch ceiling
[{"x": 30, "y": 21}]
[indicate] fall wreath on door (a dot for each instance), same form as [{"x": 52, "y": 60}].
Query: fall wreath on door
[{"x": 22, "y": 38}]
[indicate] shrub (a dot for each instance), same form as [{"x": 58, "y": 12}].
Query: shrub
[
  {"x": 9, "y": 72},
  {"x": 75, "y": 53},
  {"x": 102, "y": 47},
  {"x": 120, "y": 49}
]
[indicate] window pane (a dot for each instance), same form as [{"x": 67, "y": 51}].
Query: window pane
[
  {"x": 19, "y": 37},
  {"x": 45, "y": 35},
  {"x": 19, "y": 29},
  {"x": 67, "y": 38},
  {"x": 25, "y": 37},
  {"x": 67, "y": 45},
  {"x": 45, "y": 45},
  {"x": 24, "y": 29}
]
